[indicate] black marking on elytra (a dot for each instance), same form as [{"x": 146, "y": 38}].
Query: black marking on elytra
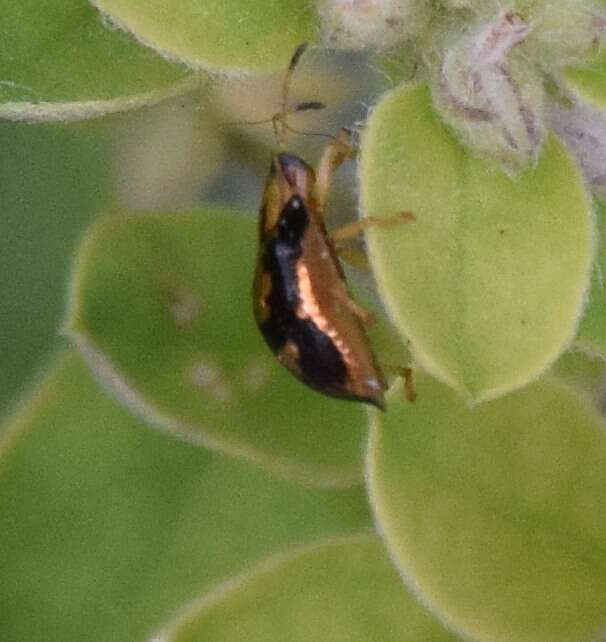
[{"x": 321, "y": 364}]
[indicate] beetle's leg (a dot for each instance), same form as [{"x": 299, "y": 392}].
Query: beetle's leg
[
  {"x": 354, "y": 257},
  {"x": 351, "y": 230},
  {"x": 368, "y": 318},
  {"x": 334, "y": 155},
  {"x": 406, "y": 373},
  {"x": 343, "y": 297}
]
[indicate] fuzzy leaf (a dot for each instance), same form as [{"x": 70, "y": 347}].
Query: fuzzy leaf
[
  {"x": 592, "y": 333},
  {"x": 161, "y": 306},
  {"x": 59, "y": 62},
  {"x": 588, "y": 80},
  {"x": 234, "y": 37},
  {"x": 584, "y": 371},
  {"x": 341, "y": 590},
  {"x": 488, "y": 282},
  {"x": 108, "y": 527},
  {"x": 496, "y": 514}
]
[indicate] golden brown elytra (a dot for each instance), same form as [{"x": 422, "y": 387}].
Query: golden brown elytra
[{"x": 302, "y": 304}]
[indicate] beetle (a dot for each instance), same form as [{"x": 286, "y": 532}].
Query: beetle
[{"x": 302, "y": 304}]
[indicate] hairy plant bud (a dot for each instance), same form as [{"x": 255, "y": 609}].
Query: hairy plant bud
[
  {"x": 583, "y": 129},
  {"x": 377, "y": 24},
  {"x": 493, "y": 103}
]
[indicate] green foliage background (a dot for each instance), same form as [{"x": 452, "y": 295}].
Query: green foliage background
[{"x": 161, "y": 476}]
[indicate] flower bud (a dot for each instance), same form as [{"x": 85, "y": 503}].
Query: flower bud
[
  {"x": 377, "y": 24},
  {"x": 583, "y": 129},
  {"x": 492, "y": 102}
]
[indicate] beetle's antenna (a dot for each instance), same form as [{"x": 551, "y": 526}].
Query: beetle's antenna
[
  {"x": 306, "y": 133},
  {"x": 307, "y": 106},
  {"x": 279, "y": 119}
]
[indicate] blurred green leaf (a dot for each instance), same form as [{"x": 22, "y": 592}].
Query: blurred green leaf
[
  {"x": 496, "y": 514},
  {"x": 108, "y": 527},
  {"x": 232, "y": 37},
  {"x": 58, "y": 61},
  {"x": 167, "y": 155},
  {"x": 395, "y": 66},
  {"x": 52, "y": 181},
  {"x": 161, "y": 306},
  {"x": 592, "y": 333},
  {"x": 340, "y": 590},
  {"x": 588, "y": 80},
  {"x": 488, "y": 282},
  {"x": 586, "y": 372}
]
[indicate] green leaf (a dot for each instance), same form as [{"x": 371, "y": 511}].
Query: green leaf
[
  {"x": 588, "y": 80},
  {"x": 59, "y": 62},
  {"x": 592, "y": 333},
  {"x": 53, "y": 182},
  {"x": 488, "y": 283},
  {"x": 167, "y": 155},
  {"x": 584, "y": 371},
  {"x": 108, "y": 527},
  {"x": 496, "y": 514},
  {"x": 395, "y": 66},
  {"x": 232, "y": 37},
  {"x": 161, "y": 306},
  {"x": 344, "y": 590}
]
